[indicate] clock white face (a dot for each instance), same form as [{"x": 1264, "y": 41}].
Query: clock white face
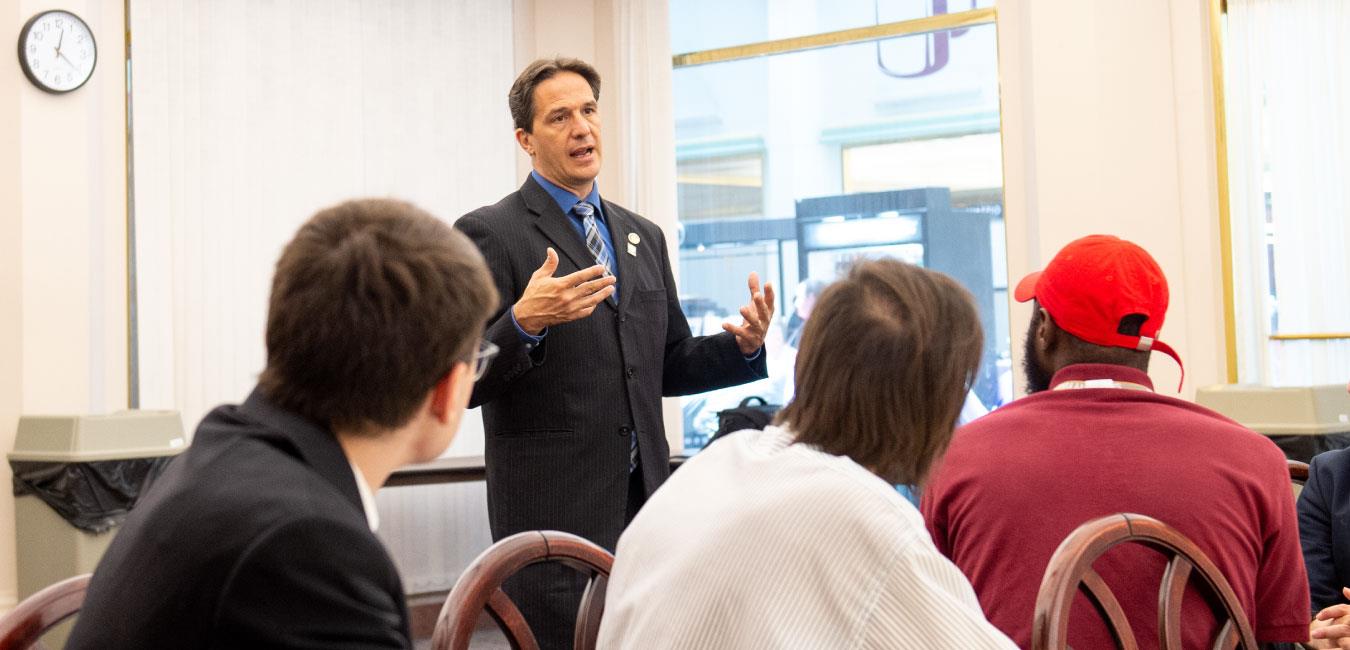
[{"x": 58, "y": 51}]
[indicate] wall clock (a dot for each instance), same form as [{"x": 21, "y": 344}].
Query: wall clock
[{"x": 57, "y": 51}]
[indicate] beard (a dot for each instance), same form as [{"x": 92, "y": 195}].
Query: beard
[{"x": 1037, "y": 375}]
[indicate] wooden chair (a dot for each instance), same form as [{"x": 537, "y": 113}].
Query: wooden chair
[
  {"x": 21, "y": 628},
  {"x": 1070, "y": 570},
  {"x": 479, "y": 588},
  {"x": 1298, "y": 476},
  {"x": 1298, "y": 472}
]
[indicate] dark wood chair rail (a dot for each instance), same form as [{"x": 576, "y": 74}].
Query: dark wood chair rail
[
  {"x": 1070, "y": 570},
  {"x": 479, "y": 588},
  {"x": 459, "y": 469},
  {"x": 21, "y": 628}
]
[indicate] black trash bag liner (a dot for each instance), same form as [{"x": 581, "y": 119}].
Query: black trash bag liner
[
  {"x": 1304, "y": 447},
  {"x": 747, "y": 415},
  {"x": 93, "y": 496}
]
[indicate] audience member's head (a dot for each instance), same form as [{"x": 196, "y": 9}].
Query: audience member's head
[
  {"x": 376, "y": 305},
  {"x": 1100, "y": 300},
  {"x": 808, "y": 292},
  {"x": 885, "y": 363}
]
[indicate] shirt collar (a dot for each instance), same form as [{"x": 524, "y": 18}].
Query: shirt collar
[
  {"x": 367, "y": 498},
  {"x": 1091, "y": 371},
  {"x": 566, "y": 199}
]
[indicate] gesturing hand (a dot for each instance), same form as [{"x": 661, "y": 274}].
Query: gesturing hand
[
  {"x": 1331, "y": 627},
  {"x": 549, "y": 301},
  {"x": 756, "y": 315}
]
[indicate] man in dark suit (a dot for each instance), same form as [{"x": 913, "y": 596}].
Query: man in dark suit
[
  {"x": 591, "y": 340},
  {"x": 261, "y": 534}
]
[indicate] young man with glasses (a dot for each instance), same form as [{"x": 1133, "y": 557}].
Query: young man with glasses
[{"x": 261, "y": 534}]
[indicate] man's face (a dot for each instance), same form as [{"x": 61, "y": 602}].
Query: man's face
[
  {"x": 565, "y": 139},
  {"x": 1038, "y": 376}
]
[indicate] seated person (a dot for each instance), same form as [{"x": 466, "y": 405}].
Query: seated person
[
  {"x": 261, "y": 534},
  {"x": 1324, "y": 529},
  {"x": 793, "y": 537},
  {"x": 1091, "y": 439}
]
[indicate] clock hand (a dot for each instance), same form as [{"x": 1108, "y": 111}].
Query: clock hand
[
  {"x": 63, "y": 57},
  {"x": 59, "y": 41}
]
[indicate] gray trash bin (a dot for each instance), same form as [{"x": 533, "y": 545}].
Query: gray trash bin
[
  {"x": 1303, "y": 420},
  {"x": 75, "y": 478}
]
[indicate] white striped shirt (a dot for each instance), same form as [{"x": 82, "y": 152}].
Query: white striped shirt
[{"x": 760, "y": 543}]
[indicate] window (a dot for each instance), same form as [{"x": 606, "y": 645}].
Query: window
[
  {"x": 1286, "y": 94},
  {"x": 793, "y": 165}
]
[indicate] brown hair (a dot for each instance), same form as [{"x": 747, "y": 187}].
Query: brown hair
[
  {"x": 521, "y": 97},
  {"x": 885, "y": 363},
  {"x": 373, "y": 302}
]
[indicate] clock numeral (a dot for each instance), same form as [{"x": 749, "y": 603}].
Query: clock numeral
[
  {"x": 37, "y": 36},
  {"x": 32, "y": 48},
  {"x": 79, "y": 39}
]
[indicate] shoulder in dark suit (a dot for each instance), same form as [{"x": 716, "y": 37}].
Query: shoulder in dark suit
[
  {"x": 1324, "y": 527},
  {"x": 254, "y": 537}
]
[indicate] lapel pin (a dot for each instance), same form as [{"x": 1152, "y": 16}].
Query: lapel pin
[{"x": 633, "y": 241}]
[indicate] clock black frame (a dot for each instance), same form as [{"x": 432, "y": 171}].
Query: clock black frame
[{"x": 23, "y": 61}]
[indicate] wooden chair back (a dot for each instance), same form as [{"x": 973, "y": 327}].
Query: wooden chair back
[
  {"x": 1070, "y": 570},
  {"x": 1298, "y": 476},
  {"x": 21, "y": 628},
  {"x": 1298, "y": 472},
  {"x": 480, "y": 588}
]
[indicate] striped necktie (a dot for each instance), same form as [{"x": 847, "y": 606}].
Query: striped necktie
[{"x": 594, "y": 241}]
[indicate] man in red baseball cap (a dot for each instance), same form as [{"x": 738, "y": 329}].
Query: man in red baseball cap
[{"x": 1091, "y": 439}]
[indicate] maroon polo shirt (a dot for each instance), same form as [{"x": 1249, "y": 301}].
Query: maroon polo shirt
[{"x": 1016, "y": 482}]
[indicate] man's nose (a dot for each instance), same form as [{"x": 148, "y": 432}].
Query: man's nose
[{"x": 581, "y": 127}]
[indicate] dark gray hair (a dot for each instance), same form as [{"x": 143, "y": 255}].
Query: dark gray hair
[{"x": 521, "y": 97}]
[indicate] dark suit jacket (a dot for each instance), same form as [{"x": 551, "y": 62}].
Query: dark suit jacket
[
  {"x": 252, "y": 538},
  {"x": 558, "y": 418},
  {"x": 1324, "y": 527}
]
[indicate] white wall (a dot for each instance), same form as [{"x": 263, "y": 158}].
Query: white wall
[
  {"x": 62, "y": 242},
  {"x": 1108, "y": 127}
]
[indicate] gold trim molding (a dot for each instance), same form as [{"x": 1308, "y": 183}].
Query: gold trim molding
[
  {"x": 1216, "y": 10},
  {"x": 841, "y": 37},
  {"x": 1312, "y": 336}
]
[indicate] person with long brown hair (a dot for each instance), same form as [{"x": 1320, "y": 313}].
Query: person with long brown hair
[{"x": 794, "y": 536}]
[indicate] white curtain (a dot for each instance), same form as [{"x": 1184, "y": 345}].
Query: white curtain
[
  {"x": 249, "y": 116},
  {"x": 1288, "y": 98}
]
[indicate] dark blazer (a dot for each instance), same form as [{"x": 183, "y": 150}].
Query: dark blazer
[
  {"x": 1324, "y": 527},
  {"x": 254, "y": 537},
  {"x": 558, "y": 417}
]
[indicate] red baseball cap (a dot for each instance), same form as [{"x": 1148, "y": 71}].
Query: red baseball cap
[{"x": 1094, "y": 282}]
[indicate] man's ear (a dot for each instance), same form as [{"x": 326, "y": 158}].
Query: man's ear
[
  {"x": 523, "y": 139},
  {"x": 1047, "y": 333},
  {"x": 444, "y": 392}
]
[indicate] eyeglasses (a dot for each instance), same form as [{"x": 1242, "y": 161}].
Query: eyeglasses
[{"x": 486, "y": 350}]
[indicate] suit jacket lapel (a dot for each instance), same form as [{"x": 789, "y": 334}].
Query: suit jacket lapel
[
  {"x": 627, "y": 265},
  {"x": 555, "y": 225}
]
